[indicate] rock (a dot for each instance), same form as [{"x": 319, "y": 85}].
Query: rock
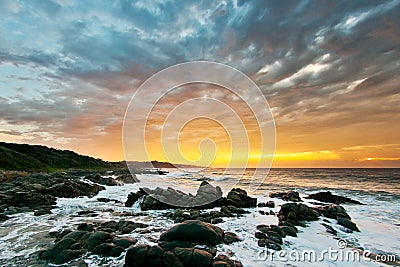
[
  {"x": 217, "y": 220},
  {"x": 60, "y": 257},
  {"x": 133, "y": 197},
  {"x": 297, "y": 212},
  {"x": 238, "y": 198},
  {"x": 194, "y": 231},
  {"x": 347, "y": 223},
  {"x": 269, "y": 204},
  {"x": 288, "y": 196},
  {"x": 124, "y": 242},
  {"x": 230, "y": 238},
  {"x": 333, "y": 211},
  {"x": 97, "y": 178},
  {"x": 289, "y": 230},
  {"x": 328, "y": 197},
  {"x": 106, "y": 200},
  {"x": 329, "y": 229},
  {"x": 85, "y": 227},
  {"x": 136, "y": 256},
  {"x": 42, "y": 212},
  {"x": 260, "y": 235},
  {"x": 90, "y": 240},
  {"x": 193, "y": 257},
  {"x": 3, "y": 217},
  {"x": 108, "y": 249}
]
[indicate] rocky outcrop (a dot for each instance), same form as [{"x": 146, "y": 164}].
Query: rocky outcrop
[
  {"x": 337, "y": 212},
  {"x": 97, "y": 178},
  {"x": 288, "y": 196},
  {"x": 207, "y": 196},
  {"x": 328, "y": 197},
  {"x": 178, "y": 247},
  {"x": 38, "y": 192},
  {"x": 98, "y": 239},
  {"x": 295, "y": 213}
]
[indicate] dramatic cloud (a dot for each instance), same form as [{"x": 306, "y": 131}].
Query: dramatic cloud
[{"x": 330, "y": 70}]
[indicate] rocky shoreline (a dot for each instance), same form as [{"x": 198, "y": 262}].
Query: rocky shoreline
[{"x": 194, "y": 238}]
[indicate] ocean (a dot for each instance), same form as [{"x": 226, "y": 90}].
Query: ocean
[{"x": 378, "y": 220}]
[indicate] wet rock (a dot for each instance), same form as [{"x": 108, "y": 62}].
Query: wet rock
[
  {"x": 136, "y": 256},
  {"x": 124, "y": 242},
  {"x": 108, "y": 249},
  {"x": 238, "y": 198},
  {"x": 90, "y": 240},
  {"x": 133, "y": 197},
  {"x": 260, "y": 235},
  {"x": 106, "y": 200},
  {"x": 347, "y": 223},
  {"x": 217, "y": 220},
  {"x": 328, "y": 197},
  {"x": 85, "y": 227},
  {"x": 42, "y": 212},
  {"x": 269, "y": 204},
  {"x": 3, "y": 217},
  {"x": 297, "y": 212},
  {"x": 194, "y": 231},
  {"x": 288, "y": 196},
  {"x": 329, "y": 229},
  {"x": 333, "y": 211},
  {"x": 97, "y": 178},
  {"x": 230, "y": 238},
  {"x": 60, "y": 257}
]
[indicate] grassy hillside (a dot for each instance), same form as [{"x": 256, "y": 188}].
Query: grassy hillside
[{"x": 24, "y": 157}]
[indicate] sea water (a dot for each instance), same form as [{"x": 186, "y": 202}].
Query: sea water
[{"x": 378, "y": 220}]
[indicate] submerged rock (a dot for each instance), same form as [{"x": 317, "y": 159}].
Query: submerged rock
[
  {"x": 328, "y": 197},
  {"x": 288, "y": 196}
]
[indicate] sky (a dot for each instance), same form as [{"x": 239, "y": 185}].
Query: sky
[{"x": 328, "y": 69}]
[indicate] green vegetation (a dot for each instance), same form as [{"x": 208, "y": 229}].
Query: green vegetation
[{"x": 23, "y": 157}]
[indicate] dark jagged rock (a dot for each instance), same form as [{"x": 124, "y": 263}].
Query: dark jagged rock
[
  {"x": 106, "y": 200},
  {"x": 328, "y": 197},
  {"x": 347, "y": 223},
  {"x": 329, "y": 229},
  {"x": 97, "y": 178},
  {"x": 288, "y": 196},
  {"x": 207, "y": 197},
  {"x": 238, "y": 198},
  {"x": 38, "y": 192},
  {"x": 333, "y": 211}
]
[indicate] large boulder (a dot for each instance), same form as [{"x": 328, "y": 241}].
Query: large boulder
[
  {"x": 328, "y": 197},
  {"x": 297, "y": 212},
  {"x": 194, "y": 231},
  {"x": 238, "y": 198}
]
